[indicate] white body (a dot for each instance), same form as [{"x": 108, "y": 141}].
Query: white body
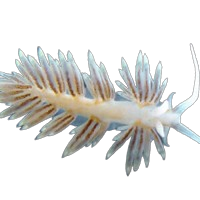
[{"x": 124, "y": 112}]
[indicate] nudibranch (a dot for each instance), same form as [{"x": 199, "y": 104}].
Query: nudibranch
[{"x": 56, "y": 89}]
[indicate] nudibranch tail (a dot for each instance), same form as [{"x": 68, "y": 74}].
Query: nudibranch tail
[{"x": 57, "y": 89}]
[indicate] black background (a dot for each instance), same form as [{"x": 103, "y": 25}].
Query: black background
[{"x": 36, "y": 167}]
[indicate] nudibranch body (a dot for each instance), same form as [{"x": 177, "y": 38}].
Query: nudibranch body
[{"x": 57, "y": 89}]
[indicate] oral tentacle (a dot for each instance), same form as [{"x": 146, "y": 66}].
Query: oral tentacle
[{"x": 182, "y": 107}]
